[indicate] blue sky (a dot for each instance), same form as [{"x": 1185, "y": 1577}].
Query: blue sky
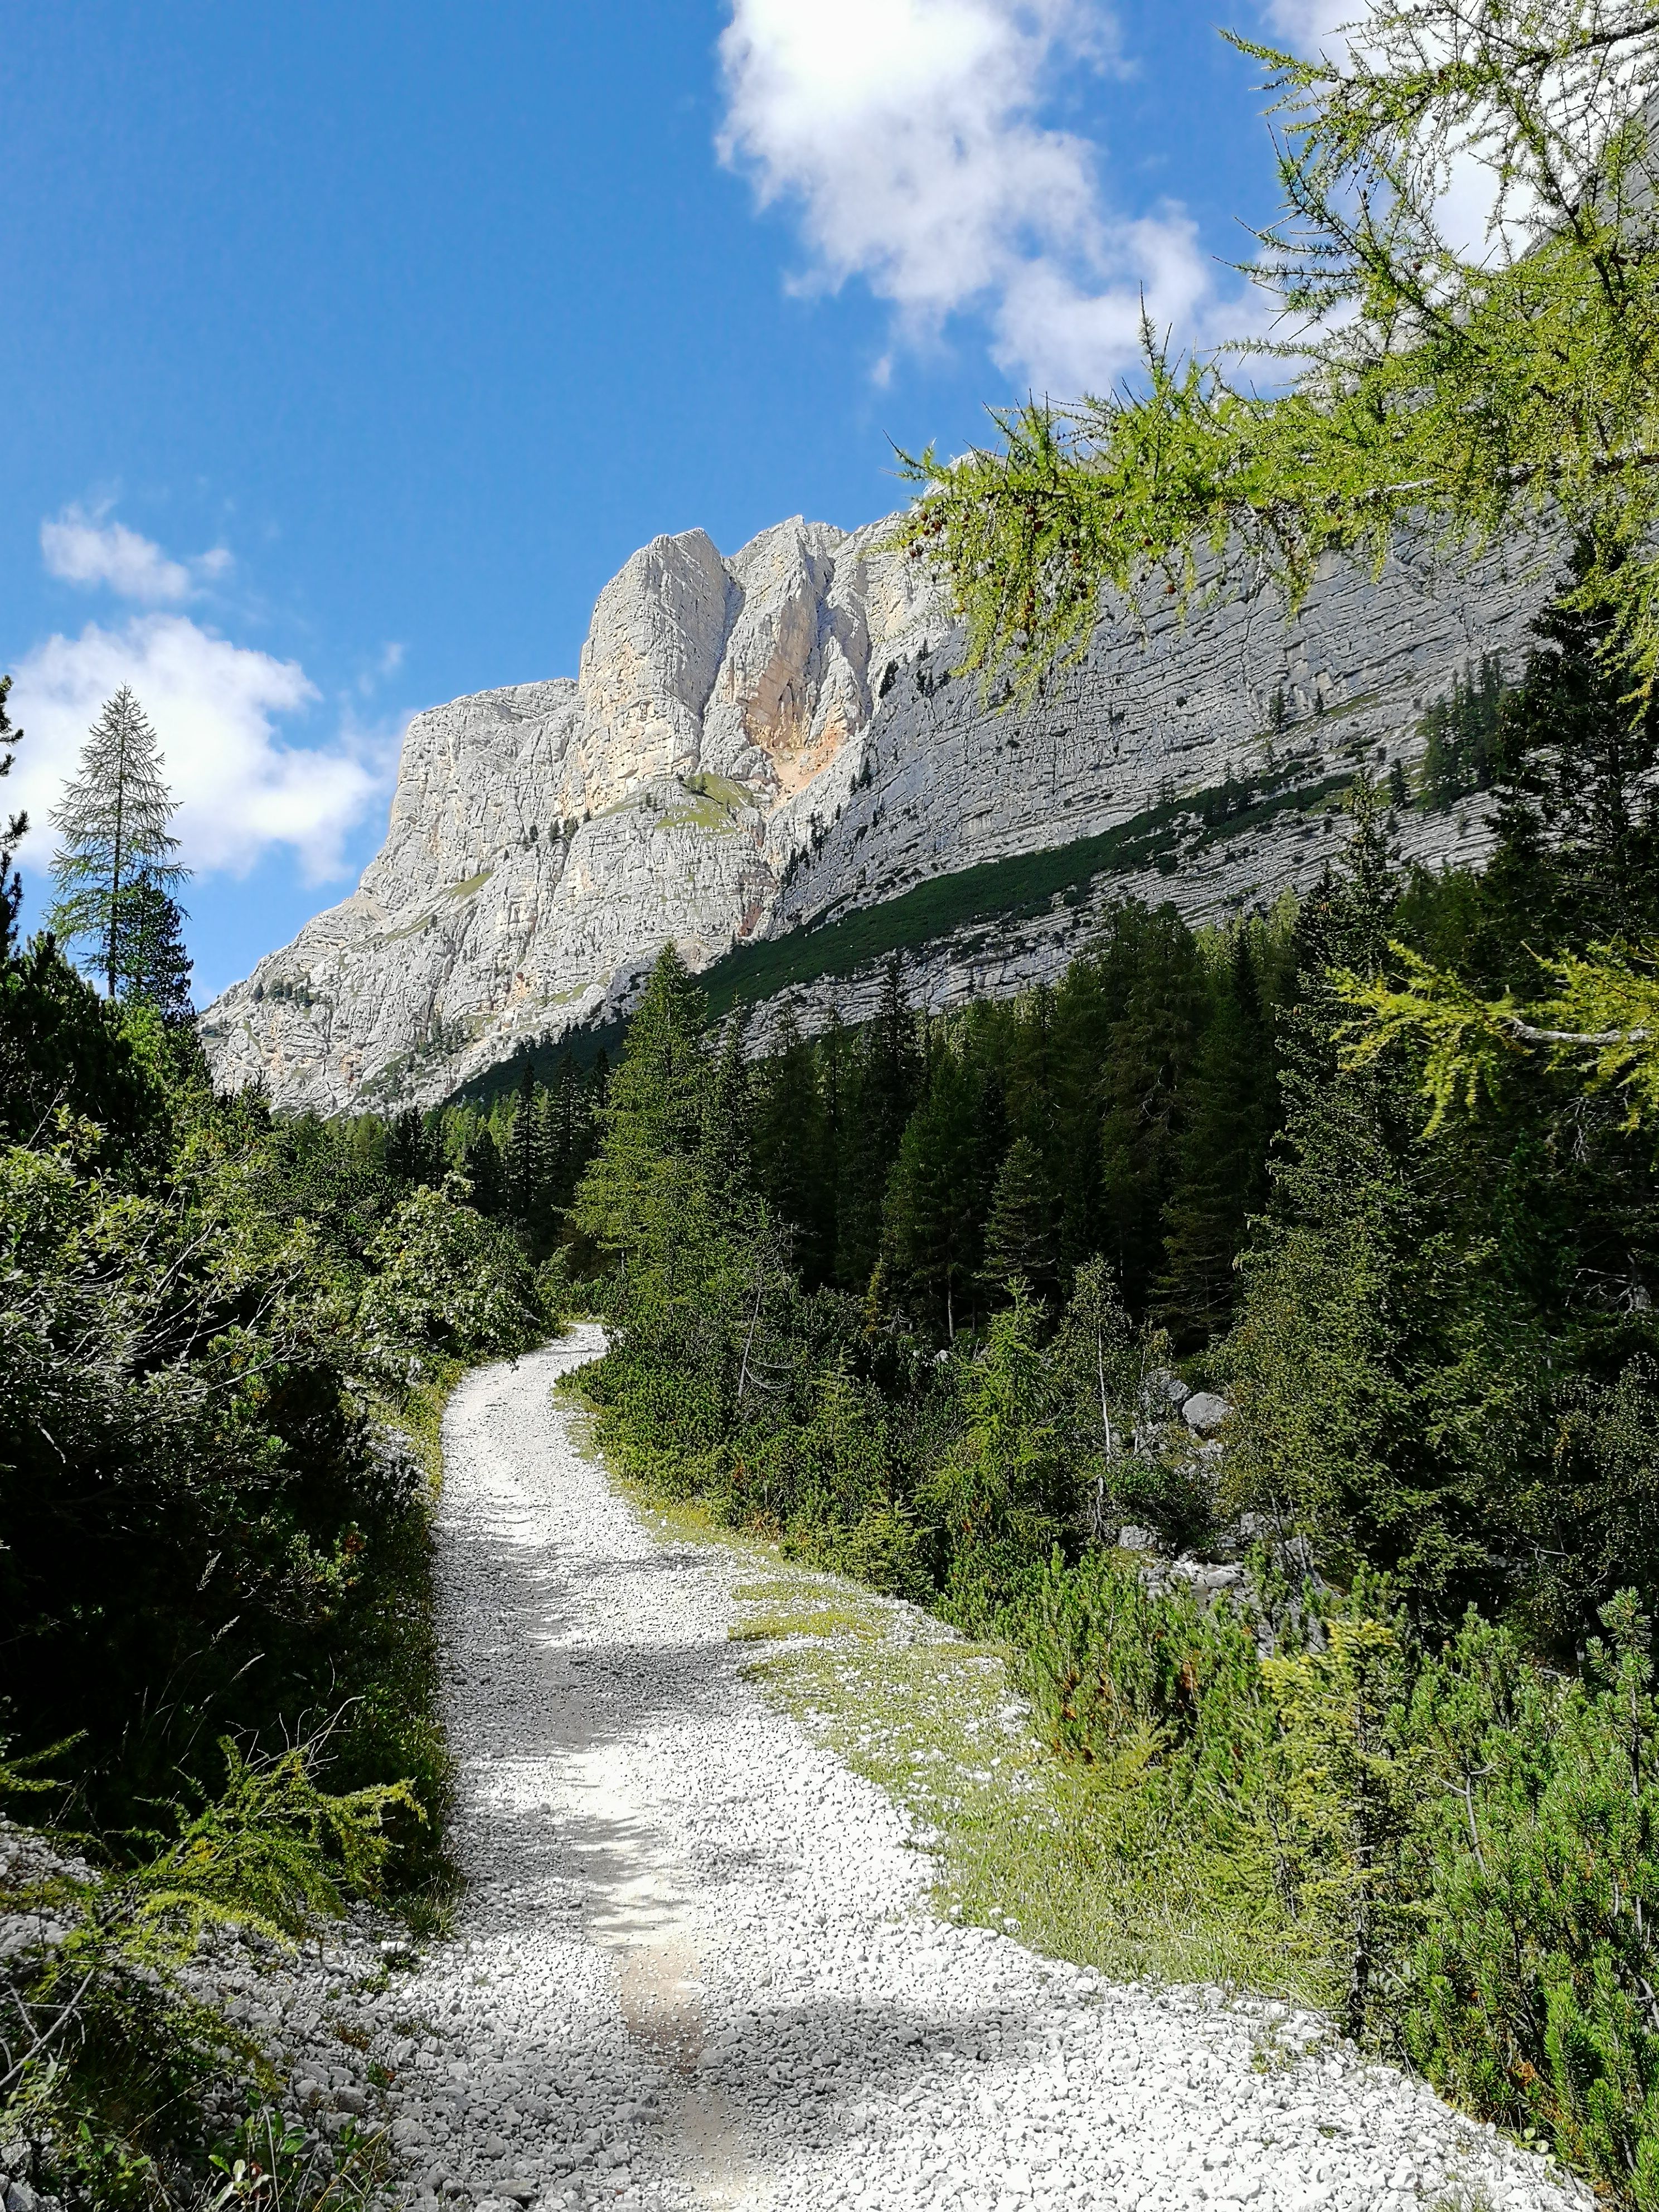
[{"x": 350, "y": 348}]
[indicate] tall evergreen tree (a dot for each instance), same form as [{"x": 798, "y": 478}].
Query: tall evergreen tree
[
  {"x": 794, "y": 1161},
  {"x": 408, "y": 1156},
  {"x": 651, "y": 1121},
  {"x": 936, "y": 1195},
  {"x": 885, "y": 1088},
  {"x": 1155, "y": 971},
  {"x": 14, "y": 830},
  {"x": 524, "y": 1162},
  {"x": 113, "y": 826},
  {"x": 1228, "y": 1108},
  {"x": 1578, "y": 856},
  {"x": 154, "y": 964},
  {"x": 1020, "y": 1231},
  {"x": 481, "y": 1163}
]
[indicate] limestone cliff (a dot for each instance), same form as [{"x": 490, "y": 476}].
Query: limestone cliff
[
  {"x": 774, "y": 751},
  {"x": 545, "y": 838}
]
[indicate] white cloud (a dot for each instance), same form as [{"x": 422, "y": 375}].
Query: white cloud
[
  {"x": 88, "y": 549},
  {"x": 242, "y": 787},
  {"x": 1311, "y": 26},
  {"x": 908, "y": 135}
]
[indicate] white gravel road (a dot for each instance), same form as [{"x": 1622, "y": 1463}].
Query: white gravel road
[{"x": 696, "y": 1964}]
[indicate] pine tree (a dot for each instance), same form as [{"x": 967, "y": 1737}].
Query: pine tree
[
  {"x": 651, "y": 1121},
  {"x": 481, "y": 1163},
  {"x": 406, "y": 1150},
  {"x": 1020, "y": 1239},
  {"x": 15, "y": 829},
  {"x": 936, "y": 1194},
  {"x": 525, "y": 1166},
  {"x": 793, "y": 1160},
  {"x": 888, "y": 1079},
  {"x": 1229, "y": 1106},
  {"x": 1578, "y": 857},
  {"x": 155, "y": 967},
  {"x": 113, "y": 822},
  {"x": 1155, "y": 969}
]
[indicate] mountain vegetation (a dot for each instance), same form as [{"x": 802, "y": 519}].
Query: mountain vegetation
[
  {"x": 922, "y": 1303},
  {"x": 223, "y": 1344}
]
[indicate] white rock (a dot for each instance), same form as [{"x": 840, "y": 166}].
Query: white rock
[{"x": 777, "y": 739}]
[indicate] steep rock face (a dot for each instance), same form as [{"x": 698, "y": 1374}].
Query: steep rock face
[
  {"x": 545, "y": 838},
  {"x": 776, "y": 744}
]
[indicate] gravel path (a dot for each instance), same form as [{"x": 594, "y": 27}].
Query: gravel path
[{"x": 696, "y": 1965}]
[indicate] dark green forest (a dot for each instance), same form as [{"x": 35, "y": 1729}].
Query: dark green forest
[
  {"x": 919, "y": 1303},
  {"x": 1008, "y": 1311}
]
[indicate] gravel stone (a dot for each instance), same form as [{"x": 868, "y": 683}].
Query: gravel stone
[{"x": 696, "y": 1965}]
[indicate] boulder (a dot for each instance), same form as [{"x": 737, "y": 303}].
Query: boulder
[{"x": 1204, "y": 1413}]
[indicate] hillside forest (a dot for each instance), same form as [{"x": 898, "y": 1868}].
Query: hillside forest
[
  {"x": 1295, "y": 1436},
  {"x": 1251, "y": 1339}
]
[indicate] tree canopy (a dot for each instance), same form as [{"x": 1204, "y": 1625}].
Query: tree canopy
[
  {"x": 115, "y": 868},
  {"x": 1416, "y": 384}
]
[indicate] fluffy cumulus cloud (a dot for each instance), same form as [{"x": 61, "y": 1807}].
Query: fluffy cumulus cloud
[
  {"x": 242, "y": 788},
  {"x": 91, "y": 551},
  {"x": 908, "y": 135}
]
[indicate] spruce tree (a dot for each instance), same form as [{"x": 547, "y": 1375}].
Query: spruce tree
[
  {"x": 936, "y": 1195},
  {"x": 525, "y": 1162},
  {"x": 1155, "y": 971},
  {"x": 1578, "y": 856},
  {"x": 155, "y": 967},
  {"x": 407, "y": 1157},
  {"x": 651, "y": 1121},
  {"x": 885, "y": 1087},
  {"x": 794, "y": 1162},
  {"x": 1020, "y": 1239},
  {"x": 14, "y": 829},
  {"x": 1228, "y": 1106},
  {"x": 113, "y": 824},
  {"x": 481, "y": 1163}
]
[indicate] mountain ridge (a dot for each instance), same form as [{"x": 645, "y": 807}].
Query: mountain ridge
[{"x": 773, "y": 759}]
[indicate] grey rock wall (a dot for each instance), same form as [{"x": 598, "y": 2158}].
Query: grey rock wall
[{"x": 774, "y": 742}]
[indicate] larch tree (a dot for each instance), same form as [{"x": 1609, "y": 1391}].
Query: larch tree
[
  {"x": 1428, "y": 385},
  {"x": 13, "y": 830},
  {"x": 115, "y": 855},
  {"x": 1423, "y": 388}
]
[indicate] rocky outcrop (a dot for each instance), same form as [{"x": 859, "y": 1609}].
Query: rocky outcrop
[
  {"x": 546, "y": 839},
  {"x": 778, "y": 742}
]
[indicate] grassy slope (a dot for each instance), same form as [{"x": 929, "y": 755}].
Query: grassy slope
[
  {"x": 1020, "y": 1842},
  {"x": 1019, "y": 887}
]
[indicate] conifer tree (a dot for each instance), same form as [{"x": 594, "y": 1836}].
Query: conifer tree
[
  {"x": 936, "y": 1195},
  {"x": 407, "y": 1155},
  {"x": 1020, "y": 1229},
  {"x": 651, "y": 1121},
  {"x": 888, "y": 1080},
  {"x": 1219, "y": 1174},
  {"x": 481, "y": 1163},
  {"x": 524, "y": 1165},
  {"x": 794, "y": 1165},
  {"x": 12, "y": 833},
  {"x": 113, "y": 826},
  {"x": 1156, "y": 971},
  {"x": 155, "y": 966}
]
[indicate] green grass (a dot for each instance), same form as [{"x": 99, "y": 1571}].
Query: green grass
[
  {"x": 1068, "y": 1863},
  {"x": 472, "y": 883},
  {"x": 1020, "y": 886}
]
